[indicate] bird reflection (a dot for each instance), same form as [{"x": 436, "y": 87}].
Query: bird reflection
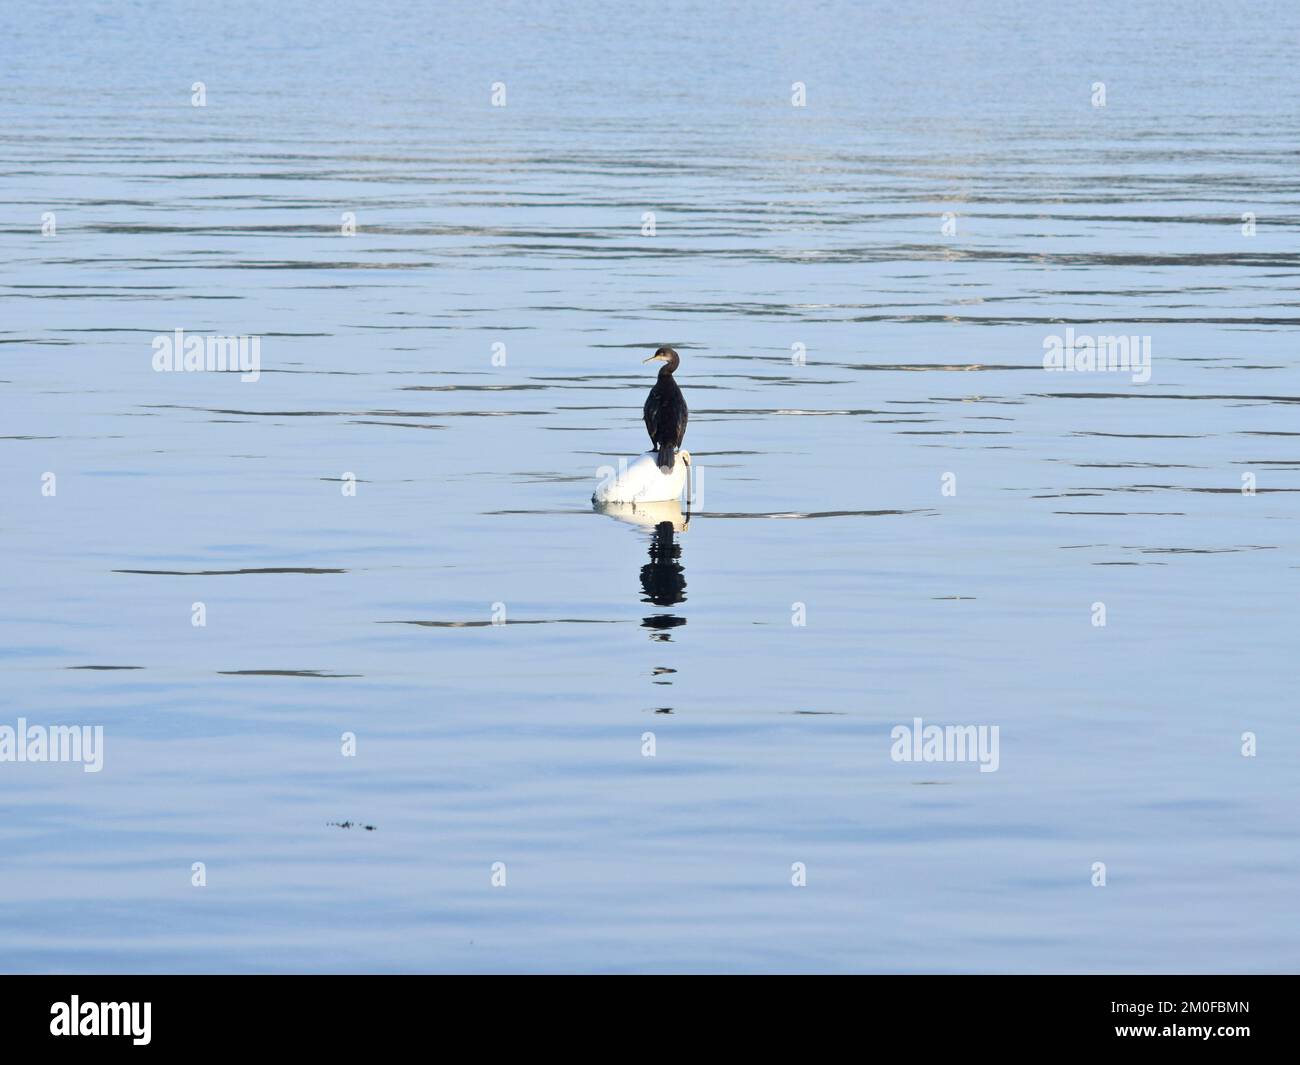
[{"x": 663, "y": 578}]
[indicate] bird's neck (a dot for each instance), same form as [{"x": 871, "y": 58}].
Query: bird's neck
[{"x": 666, "y": 370}]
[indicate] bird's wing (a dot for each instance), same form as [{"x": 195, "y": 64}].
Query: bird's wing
[
  {"x": 651, "y": 415},
  {"x": 682, "y": 415}
]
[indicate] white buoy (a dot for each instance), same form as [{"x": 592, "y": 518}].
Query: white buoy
[{"x": 644, "y": 482}]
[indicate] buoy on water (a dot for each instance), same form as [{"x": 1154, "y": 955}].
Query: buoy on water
[{"x": 644, "y": 482}]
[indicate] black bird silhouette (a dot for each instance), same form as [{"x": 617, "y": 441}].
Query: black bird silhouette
[{"x": 665, "y": 409}]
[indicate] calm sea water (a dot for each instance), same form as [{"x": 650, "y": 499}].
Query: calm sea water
[{"x": 821, "y": 486}]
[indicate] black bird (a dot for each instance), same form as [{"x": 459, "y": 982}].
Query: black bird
[{"x": 665, "y": 409}]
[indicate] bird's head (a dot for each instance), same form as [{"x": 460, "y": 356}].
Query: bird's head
[{"x": 663, "y": 355}]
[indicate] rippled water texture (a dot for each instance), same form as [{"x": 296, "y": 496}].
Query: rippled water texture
[{"x": 820, "y": 486}]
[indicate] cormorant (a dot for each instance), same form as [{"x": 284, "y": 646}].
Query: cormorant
[{"x": 665, "y": 410}]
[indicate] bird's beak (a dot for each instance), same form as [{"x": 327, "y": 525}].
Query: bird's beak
[{"x": 652, "y": 358}]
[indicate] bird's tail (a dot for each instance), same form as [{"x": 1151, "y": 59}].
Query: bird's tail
[{"x": 666, "y": 456}]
